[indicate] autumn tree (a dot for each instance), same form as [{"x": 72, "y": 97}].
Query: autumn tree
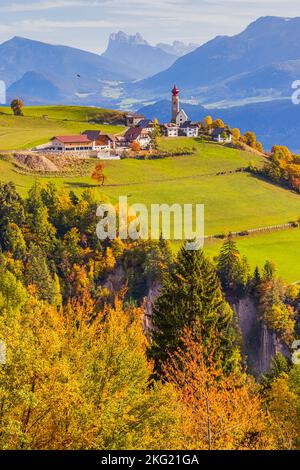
[
  {"x": 281, "y": 319},
  {"x": 156, "y": 132},
  {"x": 218, "y": 123},
  {"x": 250, "y": 139},
  {"x": 98, "y": 174},
  {"x": 72, "y": 383},
  {"x": 191, "y": 297},
  {"x": 282, "y": 152},
  {"x": 236, "y": 133},
  {"x": 283, "y": 401},
  {"x": 135, "y": 146},
  {"x": 259, "y": 147},
  {"x": 17, "y": 106},
  {"x": 15, "y": 242},
  {"x": 208, "y": 123},
  {"x": 274, "y": 310},
  {"x": 222, "y": 412}
]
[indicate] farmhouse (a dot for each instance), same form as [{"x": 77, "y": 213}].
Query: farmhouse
[
  {"x": 222, "y": 135},
  {"x": 69, "y": 143},
  {"x": 137, "y": 134},
  {"x": 133, "y": 119},
  {"x": 147, "y": 125},
  {"x": 189, "y": 129},
  {"x": 170, "y": 130},
  {"x": 101, "y": 141}
]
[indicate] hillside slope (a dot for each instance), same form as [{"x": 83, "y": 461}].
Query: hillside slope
[
  {"x": 41, "y": 123},
  {"x": 231, "y": 199}
]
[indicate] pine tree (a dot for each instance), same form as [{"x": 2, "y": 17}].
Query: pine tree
[
  {"x": 43, "y": 231},
  {"x": 38, "y": 275},
  {"x": 11, "y": 211},
  {"x": 232, "y": 269},
  {"x": 191, "y": 297}
]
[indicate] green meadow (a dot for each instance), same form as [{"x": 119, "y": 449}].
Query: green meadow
[
  {"x": 233, "y": 202},
  {"x": 34, "y": 128},
  {"x": 282, "y": 248}
]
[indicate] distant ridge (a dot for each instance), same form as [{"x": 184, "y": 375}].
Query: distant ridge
[
  {"x": 260, "y": 62},
  {"x": 136, "y": 54},
  {"x": 69, "y": 70}
]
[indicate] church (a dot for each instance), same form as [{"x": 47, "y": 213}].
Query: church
[
  {"x": 180, "y": 123},
  {"x": 179, "y": 117}
]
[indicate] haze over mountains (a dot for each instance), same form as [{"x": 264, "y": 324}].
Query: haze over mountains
[
  {"x": 70, "y": 71},
  {"x": 178, "y": 48},
  {"x": 261, "y": 62},
  {"x": 136, "y": 54},
  {"x": 258, "y": 65}
]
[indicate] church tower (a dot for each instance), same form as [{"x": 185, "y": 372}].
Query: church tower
[{"x": 175, "y": 103}]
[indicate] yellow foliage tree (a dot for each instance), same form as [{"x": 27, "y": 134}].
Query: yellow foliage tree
[
  {"x": 236, "y": 133},
  {"x": 208, "y": 123},
  {"x": 283, "y": 403},
  {"x": 77, "y": 380}
]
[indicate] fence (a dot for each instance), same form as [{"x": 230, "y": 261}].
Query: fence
[{"x": 243, "y": 233}]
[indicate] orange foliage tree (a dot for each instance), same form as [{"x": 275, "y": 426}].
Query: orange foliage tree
[
  {"x": 135, "y": 146},
  {"x": 98, "y": 173},
  {"x": 222, "y": 412}
]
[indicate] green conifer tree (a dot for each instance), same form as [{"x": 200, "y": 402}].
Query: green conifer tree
[
  {"x": 191, "y": 297},
  {"x": 233, "y": 270}
]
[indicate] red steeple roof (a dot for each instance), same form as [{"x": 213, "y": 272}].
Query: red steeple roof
[{"x": 175, "y": 91}]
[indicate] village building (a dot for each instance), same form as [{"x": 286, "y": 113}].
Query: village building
[
  {"x": 71, "y": 143},
  {"x": 101, "y": 141},
  {"x": 133, "y": 119},
  {"x": 189, "y": 129},
  {"x": 137, "y": 134},
  {"x": 170, "y": 130},
  {"x": 147, "y": 125},
  {"x": 222, "y": 135}
]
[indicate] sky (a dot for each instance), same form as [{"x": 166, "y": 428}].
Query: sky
[{"x": 86, "y": 24}]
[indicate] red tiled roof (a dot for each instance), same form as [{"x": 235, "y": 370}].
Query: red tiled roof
[{"x": 72, "y": 139}]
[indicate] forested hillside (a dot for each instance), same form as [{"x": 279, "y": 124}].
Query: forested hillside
[{"x": 84, "y": 367}]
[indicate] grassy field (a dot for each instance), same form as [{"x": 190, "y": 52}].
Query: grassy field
[
  {"x": 283, "y": 248},
  {"x": 233, "y": 202},
  {"x": 33, "y": 129}
]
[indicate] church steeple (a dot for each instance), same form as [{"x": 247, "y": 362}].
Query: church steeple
[{"x": 175, "y": 103}]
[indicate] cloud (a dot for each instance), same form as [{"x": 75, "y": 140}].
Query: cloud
[
  {"x": 158, "y": 20},
  {"x": 48, "y": 5},
  {"x": 44, "y": 25}
]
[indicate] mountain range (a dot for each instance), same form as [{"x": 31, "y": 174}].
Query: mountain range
[
  {"x": 70, "y": 72},
  {"x": 137, "y": 55},
  {"x": 259, "y": 63},
  {"x": 236, "y": 77},
  {"x": 178, "y": 48}
]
